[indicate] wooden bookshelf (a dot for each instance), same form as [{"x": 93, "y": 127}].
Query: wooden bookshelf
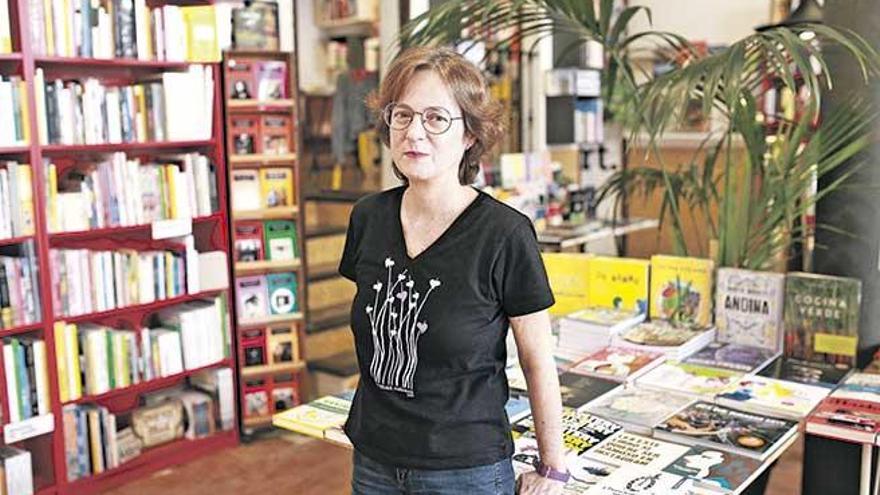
[
  {"x": 210, "y": 232},
  {"x": 265, "y": 154},
  {"x": 265, "y": 266},
  {"x": 277, "y": 213}
]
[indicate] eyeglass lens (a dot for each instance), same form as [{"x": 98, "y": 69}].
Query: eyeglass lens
[{"x": 436, "y": 120}]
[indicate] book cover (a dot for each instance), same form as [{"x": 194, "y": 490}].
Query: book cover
[
  {"x": 243, "y": 133},
  {"x": 737, "y": 357},
  {"x": 253, "y": 297},
  {"x": 246, "y": 190},
  {"x": 643, "y": 482},
  {"x": 748, "y": 307},
  {"x": 271, "y": 76},
  {"x": 282, "y": 293},
  {"x": 249, "y": 241},
  {"x": 851, "y": 420},
  {"x": 714, "y": 468},
  {"x": 240, "y": 74},
  {"x": 681, "y": 290},
  {"x": 616, "y": 363},
  {"x": 276, "y": 132},
  {"x": 578, "y": 390},
  {"x": 201, "y": 33},
  {"x": 638, "y": 409},
  {"x": 314, "y": 417},
  {"x": 630, "y": 450},
  {"x": 721, "y": 427},
  {"x": 568, "y": 276},
  {"x": 517, "y": 408},
  {"x": 580, "y": 431},
  {"x": 775, "y": 397},
  {"x": 283, "y": 344},
  {"x": 620, "y": 283},
  {"x": 585, "y": 473},
  {"x": 661, "y": 333},
  {"x": 822, "y": 318},
  {"x": 255, "y": 26},
  {"x": 280, "y": 239},
  {"x": 689, "y": 379},
  {"x": 863, "y": 386},
  {"x": 276, "y": 184},
  {"x": 807, "y": 372}
]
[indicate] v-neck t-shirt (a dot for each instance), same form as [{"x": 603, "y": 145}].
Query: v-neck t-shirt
[{"x": 430, "y": 331}]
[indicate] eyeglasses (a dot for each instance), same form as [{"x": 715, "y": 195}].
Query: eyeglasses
[{"x": 435, "y": 120}]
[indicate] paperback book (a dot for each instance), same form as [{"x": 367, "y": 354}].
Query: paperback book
[
  {"x": 637, "y": 451},
  {"x": 779, "y": 398},
  {"x": 661, "y": 336},
  {"x": 617, "y": 363},
  {"x": 643, "y": 482},
  {"x": 580, "y": 431},
  {"x": 568, "y": 277},
  {"x": 737, "y": 357},
  {"x": 850, "y": 420},
  {"x": 807, "y": 372},
  {"x": 689, "y": 379},
  {"x": 618, "y": 283},
  {"x": 578, "y": 390},
  {"x": 714, "y": 468},
  {"x": 637, "y": 409},
  {"x": 717, "y": 426},
  {"x": 681, "y": 290},
  {"x": 748, "y": 308}
]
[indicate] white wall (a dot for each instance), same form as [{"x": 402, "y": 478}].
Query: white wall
[
  {"x": 716, "y": 21},
  {"x": 310, "y": 55}
]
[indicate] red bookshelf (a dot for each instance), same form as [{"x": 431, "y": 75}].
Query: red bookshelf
[
  {"x": 266, "y": 378},
  {"x": 211, "y": 232}
]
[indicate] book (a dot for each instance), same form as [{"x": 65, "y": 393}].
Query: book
[
  {"x": 585, "y": 473},
  {"x": 714, "y": 468},
  {"x": 617, "y": 363},
  {"x": 276, "y": 185},
  {"x": 580, "y": 431},
  {"x": 577, "y": 390},
  {"x": 637, "y": 451},
  {"x": 780, "y": 398},
  {"x": 862, "y": 386},
  {"x": 716, "y": 426},
  {"x": 271, "y": 80},
  {"x": 201, "y": 33},
  {"x": 282, "y": 293},
  {"x": 255, "y": 26},
  {"x": 807, "y": 372},
  {"x": 690, "y": 379},
  {"x": 822, "y": 318},
  {"x": 850, "y": 420},
  {"x": 636, "y": 408},
  {"x": 280, "y": 239},
  {"x": 253, "y": 297},
  {"x": 681, "y": 290},
  {"x": 748, "y": 308},
  {"x": 620, "y": 283},
  {"x": 246, "y": 190},
  {"x": 282, "y": 344},
  {"x": 248, "y": 241},
  {"x": 730, "y": 356},
  {"x": 568, "y": 277},
  {"x": 589, "y": 329},
  {"x": 517, "y": 408},
  {"x": 661, "y": 336},
  {"x": 315, "y": 417},
  {"x": 643, "y": 482},
  {"x": 276, "y": 134}
]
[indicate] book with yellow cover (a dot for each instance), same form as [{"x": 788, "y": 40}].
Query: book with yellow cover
[
  {"x": 568, "y": 274},
  {"x": 317, "y": 416},
  {"x": 618, "y": 283},
  {"x": 276, "y": 184},
  {"x": 681, "y": 290},
  {"x": 201, "y": 33}
]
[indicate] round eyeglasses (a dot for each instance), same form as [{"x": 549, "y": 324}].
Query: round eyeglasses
[{"x": 435, "y": 120}]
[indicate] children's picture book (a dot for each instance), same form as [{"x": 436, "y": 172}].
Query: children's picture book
[
  {"x": 714, "y": 468},
  {"x": 282, "y": 293},
  {"x": 578, "y": 390},
  {"x": 822, "y": 318},
  {"x": 617, "y": 363},
  {"x": 253, "y": 297},
  {"x": 568, "y": 277},
  {"x": 277, "y": 187},
  {"x": 737, "y": 357},
  {"x": 781, "y": 398},
  {"x": 280, "y": 239},
  {"x": 618, "y": 283},
  {"x": 748, "y": 308},
  {"x": 636, "y": 408},
  {"x": 690, "y": 379},
  {"x": 636, "y": 451},
  {"x": 681, "y": 290},
  {"x": 717, "y": 426}
]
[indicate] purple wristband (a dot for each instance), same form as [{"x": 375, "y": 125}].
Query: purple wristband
[{"x": 546, "y": 471}]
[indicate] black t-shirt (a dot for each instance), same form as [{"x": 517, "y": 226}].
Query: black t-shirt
[{"x": 430, "y": 331}]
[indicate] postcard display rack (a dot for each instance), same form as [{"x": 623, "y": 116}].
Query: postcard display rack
[
  {"x": 267, "y": 228},
  {"x": 63, "y": 249}
]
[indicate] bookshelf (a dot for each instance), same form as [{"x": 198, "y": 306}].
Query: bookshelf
[
  {"x": 43, "y": 435},
  {"x": 267, "y": 231}
]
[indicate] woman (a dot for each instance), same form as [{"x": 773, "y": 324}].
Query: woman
[{"x": 441, "y": 268}]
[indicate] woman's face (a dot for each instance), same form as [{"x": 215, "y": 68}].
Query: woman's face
[{"x": 422, "y": 156}]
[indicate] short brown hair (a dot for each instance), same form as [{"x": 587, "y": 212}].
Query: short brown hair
[{"x": 482, "y": 113}]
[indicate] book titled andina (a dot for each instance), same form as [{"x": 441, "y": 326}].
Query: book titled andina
[
  {"x": 822, "y": 318},
  {"x": 748, "y": 308}
]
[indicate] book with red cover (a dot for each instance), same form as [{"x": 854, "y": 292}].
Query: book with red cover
[
  {"x": 850, "y": 420},
  {"x": 249, "y": 241},
  {"x": 276, "y": 135}
]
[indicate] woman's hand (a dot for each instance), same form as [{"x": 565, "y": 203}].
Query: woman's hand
[{"x": 534, "y": 484}]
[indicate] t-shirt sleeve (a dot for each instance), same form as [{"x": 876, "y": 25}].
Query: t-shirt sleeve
[
  {"x": 352, "y": 247},
  {"x": 519, "y": 275}
]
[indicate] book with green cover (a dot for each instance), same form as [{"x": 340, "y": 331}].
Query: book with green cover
[
  {"x": 280, "y": 239},
  {"x": 282, "y": 293},
  {"x": 822, "y": 318}
]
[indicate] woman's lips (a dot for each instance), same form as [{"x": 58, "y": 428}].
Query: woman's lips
[{"x": 414, "y": 154}]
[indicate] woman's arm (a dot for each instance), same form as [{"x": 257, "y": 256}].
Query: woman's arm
[{"x": 534, "y": 342}]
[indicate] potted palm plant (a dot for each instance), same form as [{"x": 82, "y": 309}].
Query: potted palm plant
[{"x": 752, "y": 200}]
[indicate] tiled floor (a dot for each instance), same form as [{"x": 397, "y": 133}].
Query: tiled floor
[{"x": 295, "y": 465}]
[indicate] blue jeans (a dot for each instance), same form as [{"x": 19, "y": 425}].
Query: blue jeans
[{"x": 373, "y": 478}]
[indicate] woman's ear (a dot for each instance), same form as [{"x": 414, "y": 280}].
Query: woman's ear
[{"x": 469, "y": 140}]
